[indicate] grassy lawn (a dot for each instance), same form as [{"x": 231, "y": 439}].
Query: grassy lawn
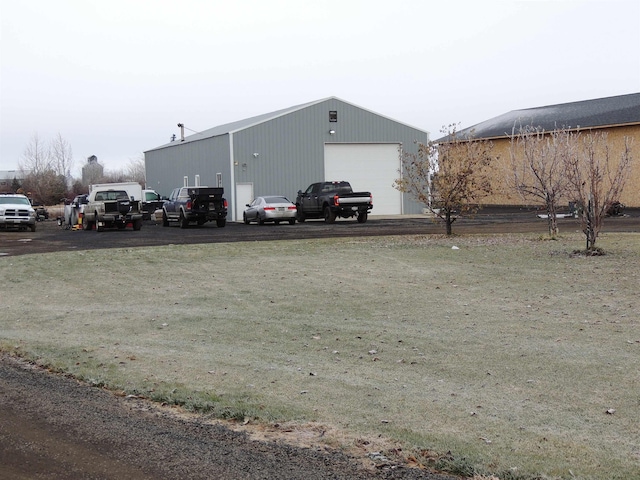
[{"x": 509, "y": 352}]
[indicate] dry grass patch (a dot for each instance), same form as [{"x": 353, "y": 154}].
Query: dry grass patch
[{"x": 508, "y": 351}]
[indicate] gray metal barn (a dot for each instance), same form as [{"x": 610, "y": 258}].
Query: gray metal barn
[{"x": 282, "y": 152}]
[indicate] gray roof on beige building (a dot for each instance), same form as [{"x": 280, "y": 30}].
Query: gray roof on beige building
[{"x": 601, "y": 112}]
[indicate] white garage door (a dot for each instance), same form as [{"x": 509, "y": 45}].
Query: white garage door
[{"x": 367, "y": 166}]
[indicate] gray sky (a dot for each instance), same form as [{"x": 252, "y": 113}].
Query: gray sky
[{"x": 114, "y": 77}]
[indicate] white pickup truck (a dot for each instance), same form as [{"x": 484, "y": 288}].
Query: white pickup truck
[
  {"x": 150, "y": 200},
  {"x": 111, "y": 208},
  {"x": 16, "y": 211}
]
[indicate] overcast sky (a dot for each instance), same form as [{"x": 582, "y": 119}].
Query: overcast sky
[{"x": 114, "y": 77}]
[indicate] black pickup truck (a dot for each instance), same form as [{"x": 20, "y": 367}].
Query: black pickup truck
[
  {"x": 195, "y": 204},
  {"x": 330, "y": 200}
]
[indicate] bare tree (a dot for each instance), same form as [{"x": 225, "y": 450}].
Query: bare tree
[
  {"x": 114, "y": 176},
  {"x": 596, "y": 180},
  {"x": 61, "y": 157},
  {"x": 449, "y": 178},
  {"x": 35, "y": 166},
  {"x": 47, "y": 188},
  {"x": 35, "y": 158},
  {"x": 46, "y": 169},
  {"x": 538, "y": 161},
  {"x": 136, "y": 170}
]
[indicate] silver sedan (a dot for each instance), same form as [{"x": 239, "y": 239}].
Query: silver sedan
[{"x": 273, "y": 208}]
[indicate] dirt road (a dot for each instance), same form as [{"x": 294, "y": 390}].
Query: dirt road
[{"x": 53, "y": 427}]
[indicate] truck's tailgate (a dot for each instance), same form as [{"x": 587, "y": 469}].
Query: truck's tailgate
[{"x": 354, "y": 199}]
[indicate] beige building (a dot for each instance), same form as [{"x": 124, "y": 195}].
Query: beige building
[{"x": 619, "y": 116}]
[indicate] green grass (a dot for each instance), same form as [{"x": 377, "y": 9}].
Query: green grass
[{"x": 506, "y": 352}]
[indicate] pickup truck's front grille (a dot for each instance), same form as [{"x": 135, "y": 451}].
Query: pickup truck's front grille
[{"x": 16, "y": 212}]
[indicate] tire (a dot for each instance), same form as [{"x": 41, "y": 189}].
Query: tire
[
  {"x": 184, "y": 223},
  {"x": 86, "y": 224},
  {"x": 121, "y": 226},
  {"x": 165, "y": 220},
  {"x": 260, "y": 220},
  {"x": 221, "y": 222},
  {"x": 32, "y": 227},
  {"x": 329, "y": 216},
  {"x": 292, "y": 221},
  {"x": 362, "y": 217},
  {"x": 137, "y": 225},
  {"x": 245, "y": 219},
  {"x": 98, "y": 228},
  {"x": 300, "y": 215},
  {"x": 277, "y": 222}
]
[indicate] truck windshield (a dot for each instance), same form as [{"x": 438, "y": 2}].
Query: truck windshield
[
  {"x": 14, "y": 201},
  {"x": 338, "y": 187},
  {"x": 112, "y": 195}
]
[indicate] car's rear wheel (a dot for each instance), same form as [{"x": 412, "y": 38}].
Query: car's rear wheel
[
  {"x": 33, "y": 227},
  {"x": 260, "y": 220},
  {"x": 329, "y": 216},
  {"x": 221, "y": 222},
  {"x": 292, "y": 221},
  {"x": 300, "y": 215},
  {"x": 137, "y": 224},
  {"x": 184, "y": 223},
  {"x": 246, "y": 220},
  {"x": 165, "y": 219},
  {"x": 362, "y": 217}
]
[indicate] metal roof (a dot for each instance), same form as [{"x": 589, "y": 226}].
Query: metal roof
[
  {"x": 601, "y": 112},
  {"x": 248, "y": 122},
  {"x": 237, "y": 125},
  {"x": 252, "y": 121}
]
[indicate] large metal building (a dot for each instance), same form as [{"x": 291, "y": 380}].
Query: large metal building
[{"x": 282, "y": 152}]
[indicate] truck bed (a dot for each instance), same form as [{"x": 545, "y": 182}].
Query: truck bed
[{"x": 203, "y": 193}]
